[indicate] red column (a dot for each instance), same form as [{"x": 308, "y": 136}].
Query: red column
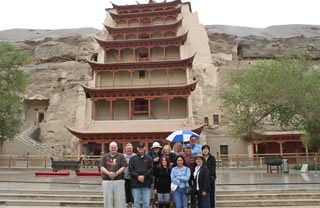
[
  {"x": 134, "y": 54},
  {"x": 131, "y": 77},
  {"x": 81, "y": 147},
  {"x": 149, "y": 54},
  {"x": 119, "y": 55},
  {"x": 187, "y": 106},
  {"x": 102, "y": 148},
  {"x": 96, "y": 79},
  {"x": 168, "y": 77},
  {"x": 257, "y": 147},
  {"x": 169, "y": 108},
  {"x": 281, "y": 148},
  {"x": 149, "y": 108},
  {"x": 92, "y": 110},
  {"x": 130, "y": 109},
  {"x": 164, "y": 53},
  {"x": 113, "y": 79},
  {"x": 111, "y": 110},
  {"x": 149, "y": 78}
]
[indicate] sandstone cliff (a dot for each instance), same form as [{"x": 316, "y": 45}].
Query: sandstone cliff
[{"x": 59, "y": 68}]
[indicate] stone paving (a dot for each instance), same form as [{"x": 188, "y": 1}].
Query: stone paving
[{"x": 227, "y": 179}]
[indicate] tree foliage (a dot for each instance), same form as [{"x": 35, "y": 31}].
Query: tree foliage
[
  {"x": 13, "y": 82},
  {"x": 284, "y": 92}
]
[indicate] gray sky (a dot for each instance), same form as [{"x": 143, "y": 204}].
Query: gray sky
[{"x": 60, "y": 14}]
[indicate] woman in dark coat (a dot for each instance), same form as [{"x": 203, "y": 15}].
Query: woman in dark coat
[
  {"x": 202, "y": 182},
  {"x": 211, "y": 163},
  {"x": 162, "y": 182}
]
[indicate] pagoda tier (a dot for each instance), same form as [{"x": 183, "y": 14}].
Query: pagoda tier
[
  {"x": 127, "y": 131},
  {"x": 142, "y": 7},
  {"x": 148, "y": 66},
  {"x": 114, "y": 31},
  {"x": 163, "y": 42},
  {"x": 134, "y": 93},
  {"x": 143, "y": 15}
]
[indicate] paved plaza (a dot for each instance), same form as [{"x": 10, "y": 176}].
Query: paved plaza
[{"x": 228, "y": 178}]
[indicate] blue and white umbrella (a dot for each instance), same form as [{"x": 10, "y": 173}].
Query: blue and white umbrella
[{"x": 181, "y": 136}]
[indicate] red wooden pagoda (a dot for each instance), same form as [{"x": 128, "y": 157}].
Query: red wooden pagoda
[{"x": 141, "y": 89}]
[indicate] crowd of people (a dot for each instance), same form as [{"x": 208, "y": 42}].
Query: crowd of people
[{"x": 162, "y": 176}]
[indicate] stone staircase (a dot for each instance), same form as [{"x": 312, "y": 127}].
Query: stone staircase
[
  {"x": 24, "y": 137},
  {"x": 80, "y": 198}
]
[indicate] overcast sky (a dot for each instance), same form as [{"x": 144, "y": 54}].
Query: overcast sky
[{"x": 61, "y": 14}]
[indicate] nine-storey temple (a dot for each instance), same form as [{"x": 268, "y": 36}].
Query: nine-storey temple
[{"x": 141, "y": 88}]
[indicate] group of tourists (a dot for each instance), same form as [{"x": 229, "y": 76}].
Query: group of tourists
[{"x": 158, "y": 175}]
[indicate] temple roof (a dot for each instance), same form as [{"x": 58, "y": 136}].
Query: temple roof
[
  {"x": 132, "y": 128},
  {"x": 152, "y": 92},
  {"x": 274, "y": 135},
  {"x": 151, "y": 65},
  {"x": 165, "y": 13},
  {"x": 113, "y": 44},
  {"x": 144, "y": 29},
  {"x": 125, "y": 7}
]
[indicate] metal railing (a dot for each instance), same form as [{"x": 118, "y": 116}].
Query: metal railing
[
  {"x": 230, "y": 161},
  {"x": 25, "y": 138}
]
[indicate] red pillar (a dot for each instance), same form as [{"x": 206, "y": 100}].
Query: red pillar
[
  {"x": 92, "y": 110},
  {"x": 113, "y": 79},
  {"x": 164, "y": 53},
  {"x": 131, "y": 77},
  {"x": 102, "y": 148},
  {"x": 81, "y": 147},
  {"x": 96, "y": 79},
  {"x": 257, "y": 147},
  {"x": 169, "y": 108},
  {"x": 111, "y": 110},
  {"x": 187, "y": 106},
  {"x": 149, "y": 108},
  {"x": 281, "y": 148},
  {"x": 119, "y": 55},
  {"x": 149, "y": 78},
  {"x": 168, "y": 77},
  {"x": 134, "y": 54},
  {"x": 130, "y": 109},
  {"x": 149, "y": 54}
]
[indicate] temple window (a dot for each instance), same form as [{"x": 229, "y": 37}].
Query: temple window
[
  {"x": 140, "y": 106},
  {"x": 216, "y": 119}
]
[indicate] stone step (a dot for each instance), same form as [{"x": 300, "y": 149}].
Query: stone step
[
  {"x": 58, "y": 203},
  {"x": 269, "y": 203},
  {"x": 67, "y": 197},
  {"x": 266, "y": 191},
  {"x": 263, "y": 196},
  {"x": 50, "y": 192}
]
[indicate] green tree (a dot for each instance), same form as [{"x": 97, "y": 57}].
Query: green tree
[
  {"x": 284, "y": 92},
  {"x": 13, "y": 82}
]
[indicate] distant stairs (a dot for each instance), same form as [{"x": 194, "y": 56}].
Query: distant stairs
[{"x": 24, "y": 137}]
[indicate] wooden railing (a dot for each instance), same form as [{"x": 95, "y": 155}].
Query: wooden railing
[{"x": 234, "y": 161}]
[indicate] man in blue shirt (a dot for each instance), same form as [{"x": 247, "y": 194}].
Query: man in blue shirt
[{"x": 196, "y": 148}]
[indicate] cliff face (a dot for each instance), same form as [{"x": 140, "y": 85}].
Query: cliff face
[{"x": 59, "y": 68}]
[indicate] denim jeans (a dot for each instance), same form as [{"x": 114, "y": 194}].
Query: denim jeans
[
  {"x": 180, "y": 198},
  {"x": 213, "y": 194},
  {"x": 145, "y": 193}
]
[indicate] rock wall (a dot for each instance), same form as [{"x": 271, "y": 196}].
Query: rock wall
[{"x": 59, "y": 69}]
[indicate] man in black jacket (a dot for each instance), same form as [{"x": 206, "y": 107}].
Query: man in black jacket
[{"x": 141, "y": 171}]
